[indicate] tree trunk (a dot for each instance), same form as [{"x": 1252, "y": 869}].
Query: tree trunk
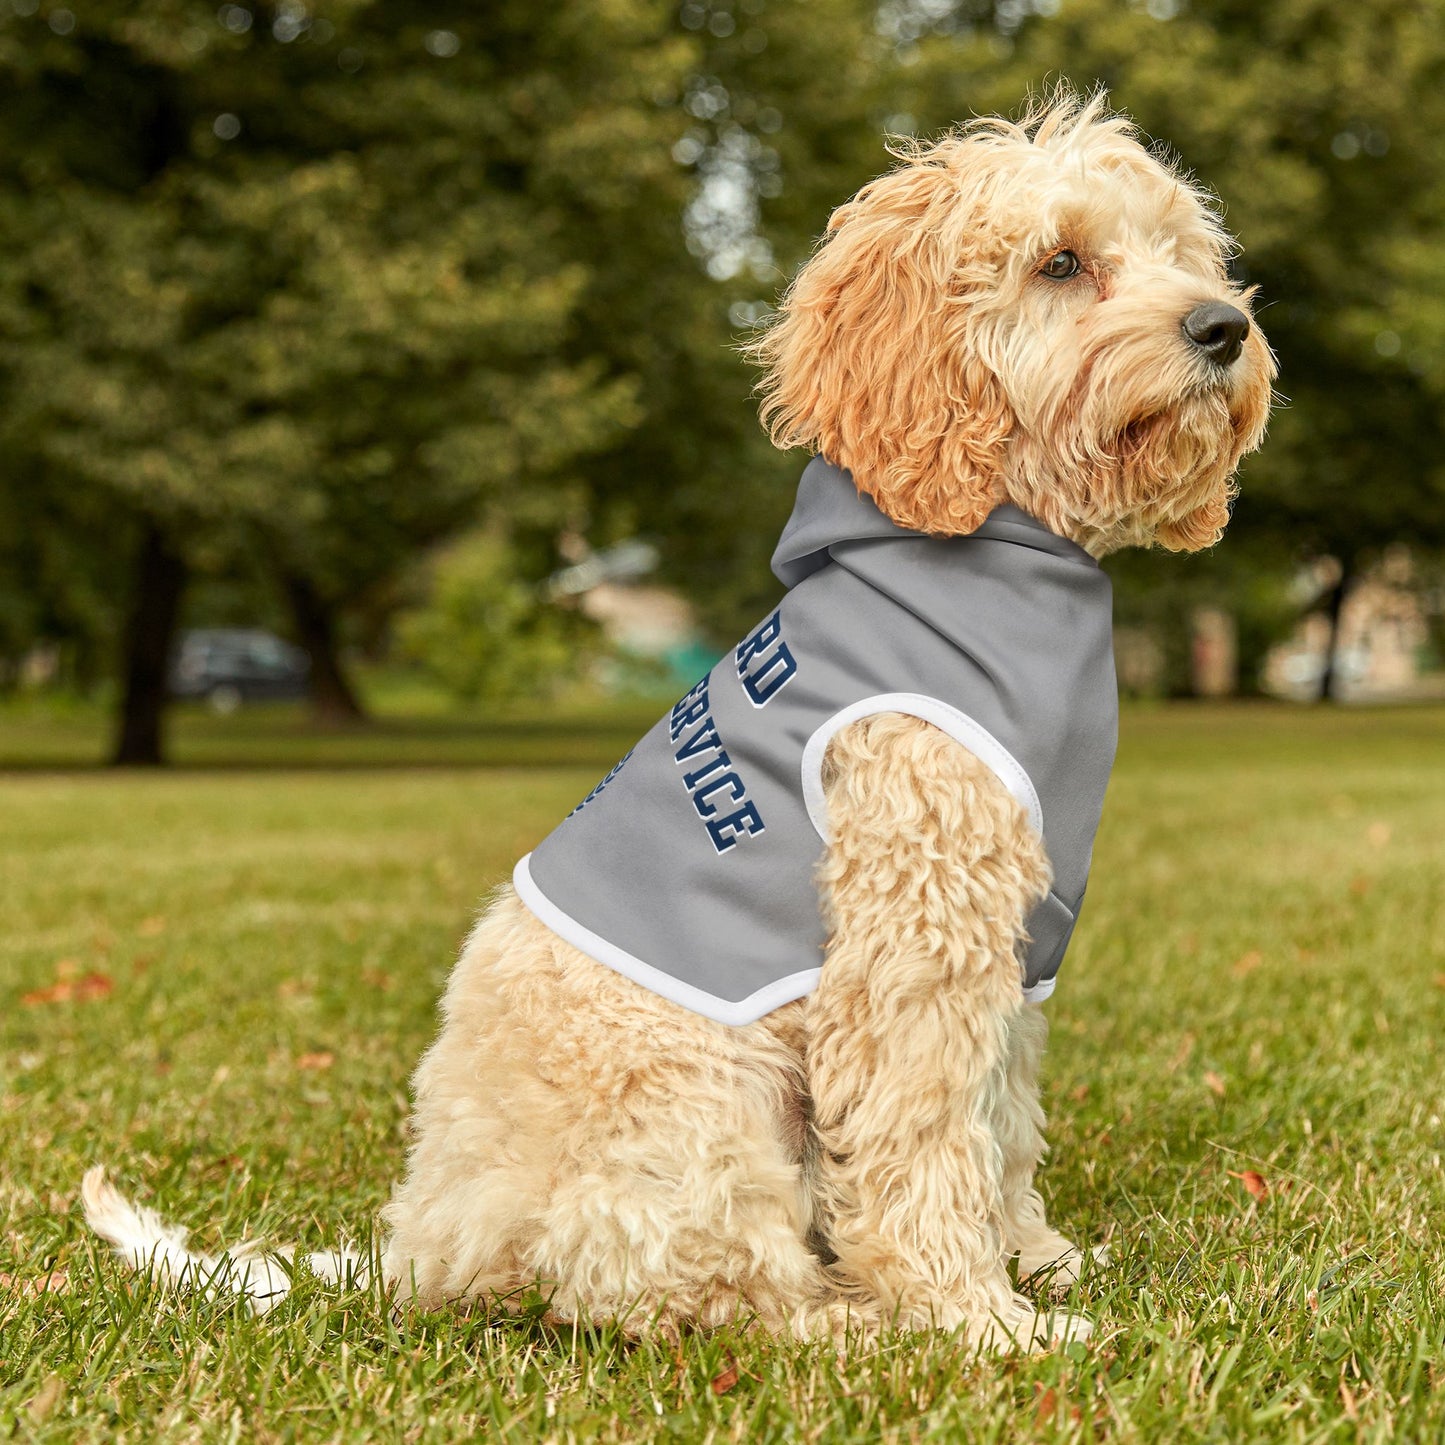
[
  {"x": 1329, "y": 677},
  {"x": 160, "y": 579},
  {"x": 333, "y": 699}
]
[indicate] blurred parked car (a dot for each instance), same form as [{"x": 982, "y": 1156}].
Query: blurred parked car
[{"x": 230, "y": 665}]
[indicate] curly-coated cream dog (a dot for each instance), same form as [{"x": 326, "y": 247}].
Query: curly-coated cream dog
[{"x": 1018, "y": 350}]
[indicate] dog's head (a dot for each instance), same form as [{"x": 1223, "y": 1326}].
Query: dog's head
[{"x": 1036, "y": 312}]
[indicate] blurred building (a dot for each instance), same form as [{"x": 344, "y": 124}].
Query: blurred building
[
  {"x": 1382, "y": 652},
  {"x": 653, "y": 630}
]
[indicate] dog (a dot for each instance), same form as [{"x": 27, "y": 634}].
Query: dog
[{"x": 699, "y": 1065}]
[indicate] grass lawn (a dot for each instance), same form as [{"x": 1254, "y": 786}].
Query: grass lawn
[{"x": 217, "y": 979}]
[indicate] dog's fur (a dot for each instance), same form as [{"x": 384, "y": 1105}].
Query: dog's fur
[{"x": 864, "y": 1156}]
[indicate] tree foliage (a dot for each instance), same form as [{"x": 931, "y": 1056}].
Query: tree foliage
[
  {"x": 314, "y": 286},
  {"x": 485, "y": 633}
]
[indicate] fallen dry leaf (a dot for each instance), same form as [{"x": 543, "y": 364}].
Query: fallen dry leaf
[
  {"x": 1254, "y": 1183},
  {"x": 322, "y": 1059},
  {"x": 56, "y": 1282},
  {"x": 1079, "y": 1094},
  {"x": 151, "y": 927},
  {"x": 66, "y": 990},
  {"x": 1440, "y": 980},
  {"x": 1378, "y": 834},
  {"x": 1214, "y": 1083},
  {"x": 1247, "y": 963},
  {"x": 56, "y": 993},
  {"x": 1360, "y": 885},
  {"x": 1047, "y": 1407},
  {"x": 723, "y": 1382}
]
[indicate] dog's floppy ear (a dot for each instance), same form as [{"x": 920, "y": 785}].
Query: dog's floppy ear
[{"x": 873, "y": 358}]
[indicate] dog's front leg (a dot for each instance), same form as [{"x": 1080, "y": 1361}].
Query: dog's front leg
[
  {"x": 1043, "y": 1253},
  {"x": 930, "y": 872}
]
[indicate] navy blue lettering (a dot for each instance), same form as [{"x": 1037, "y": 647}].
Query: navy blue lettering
[
  {"x": 758, "y": 641},
  {"x": 768, "y": 671},
  {"x": 726, "y": 831},
  {"x": 728, "y": 780},
  {"x": 690, "y": 708},
  {"x": 763, "y": 685},
  {"x": 691, "y": 780},
  {"x": 703, "y": 740},
  {"x": 765, "y": 663}
]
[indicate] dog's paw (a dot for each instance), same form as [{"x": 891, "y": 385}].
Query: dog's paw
[
  {"x": 1059, "y": 1328},
  {"x": 1058, "y": 1270},
  {"x": 1023, "y": 1326}
]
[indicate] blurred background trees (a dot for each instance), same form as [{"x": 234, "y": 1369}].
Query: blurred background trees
[{"x": 293, "y": 295}]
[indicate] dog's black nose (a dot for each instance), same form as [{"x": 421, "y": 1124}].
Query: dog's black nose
[{"x": 1218, "y": 330}]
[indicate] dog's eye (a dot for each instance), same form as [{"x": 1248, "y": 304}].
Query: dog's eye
[{"x": 1060, "y": 266}]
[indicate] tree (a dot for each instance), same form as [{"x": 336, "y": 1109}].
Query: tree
[{"x": 298, "y": 284}]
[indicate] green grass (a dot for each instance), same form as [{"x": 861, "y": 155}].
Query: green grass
[{"x": 1256, "y": 985}]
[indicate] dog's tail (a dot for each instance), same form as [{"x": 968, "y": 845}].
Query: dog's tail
[{"x": 147, "y": 1243}]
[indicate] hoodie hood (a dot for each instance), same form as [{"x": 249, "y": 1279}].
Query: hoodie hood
[{"x": 830, "y": 511}]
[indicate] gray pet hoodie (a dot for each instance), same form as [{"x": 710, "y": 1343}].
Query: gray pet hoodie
[{"x": 690, "y": 866}]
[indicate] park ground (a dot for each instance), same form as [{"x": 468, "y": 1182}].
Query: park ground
[{"x": 216, "y": 979}]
